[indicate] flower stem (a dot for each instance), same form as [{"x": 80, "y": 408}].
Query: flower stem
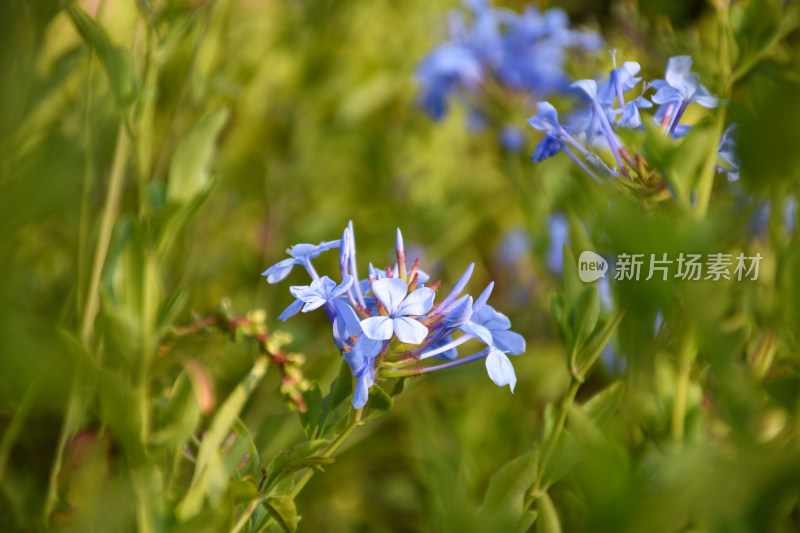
[
  {"x": 115, "y": 183},
  {"x": 328, "y": 452},
  {"x": 550, "y": 446},
  {"x": 681, "y": 386}
]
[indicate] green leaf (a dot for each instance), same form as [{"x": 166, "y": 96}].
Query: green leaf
[
  {"x": 284, "y": 511},
  {"x": 583, "y": 318},
  {"x": 378, "y": 404},
  {"x": 572, "y": 282},
  {"x": 208, "y": 455},
  {"x": 243, "y": 491},
  {"x": 289, "y": 462},
  {"x": 604, "y": 403},
  {"x": 189, "y": 168},
  {"x": 508, "y": 486},
  {"x": 547, "y": 520},
  {"x": 180, "y": 417},
  {"x": 680, "y": 161},
  {"x": 312, "y": 419},
  {"x": 243, "y": 434},
  {"x": 595, "y": 344},
  {"x": 565, "y": 455},
  {"x": 558, "y": 307},
  {"x": 115, "y": 60},
  {"x": 337, "y": 404}
]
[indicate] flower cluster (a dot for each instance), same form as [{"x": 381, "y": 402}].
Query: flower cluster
[
  {"x": 388, "y": 325},
  {"x": 607, "y": 110},
  {"x": 519, "y": 52}
]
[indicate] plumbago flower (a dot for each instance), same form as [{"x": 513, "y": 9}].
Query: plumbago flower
[
  {"x": 493, "y": 48},
  {"x": 596, "y": 132},
  {"x": 388, "y": 326}
]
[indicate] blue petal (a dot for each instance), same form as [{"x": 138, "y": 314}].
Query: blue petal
[
  {"x": 417, "y": 303},
  {"x": 450, "y": 354},
  {"x": 365, "y": 380},
  {"x": 667, "y": 95},
  {"x": 508, "y": 341},
  {"x": 630, "y": 117},
  {"x": 478, "y": 331},
  {"x": 589, "y": 87},
  {"x": 492, "y": 319},
  {"x": 346, "y": 323},
  {"x": 291, "y": 310},
  {"x": 705, "y": 99},
  {"x": 347, "y": 281},
  {"x": 280, "y": 270},
  {"x": 546, "y": 119},
  {"x": 483, "y": 298},
  {"x": 459, "y": 313},
  {"x": 458, "y": 287},
  {"x": 409, "y": 330},
  {"x": 679, "y": 73},
  {"x": 378, "y": 328},
  {"x": 500, "y": 369},
  {"x": 367, "y": 348},
  {"x": 390, "y": 292},
  {"x": 547, "y": 147},
  {"x": 310, "y": 251}
]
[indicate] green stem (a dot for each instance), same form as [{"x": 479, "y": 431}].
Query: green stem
[
  {"x": 550, "y": 446},
  {"x": 682, "y": 386},
  {"x": 110, "y": 210},
  {"x": 328, "y": 452}
]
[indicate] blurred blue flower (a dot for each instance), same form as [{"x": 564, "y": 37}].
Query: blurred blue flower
[
  {"x": 514, "y": 248},
  {"x": 790, "y": 215},
  {"x": 512, "y": 138},
  {"x": 446, "y": 68},
  {"x": 759, "y": 219},
  {"x": 679, "y": 89},
  {"x": 727, "y": 160},
  {"x": 558, "y": 235},
  {"x": 524, "y": 52}
]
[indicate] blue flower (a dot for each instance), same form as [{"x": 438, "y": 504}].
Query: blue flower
[
  {"x": 620, "y": 81},
  {"x": 547, "y": 120},
  {"x": 492, "y": 328},
  {"x": 400, "y": 306},
  {"x": 679, "y": 89},
  {"x": 630, "y": 113},
  {"x": 301, "y": 255},
  {"x": 309, "y": 297}
]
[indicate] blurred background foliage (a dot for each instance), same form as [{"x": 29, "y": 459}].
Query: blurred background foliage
[{"x": 199, "y": 139}]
